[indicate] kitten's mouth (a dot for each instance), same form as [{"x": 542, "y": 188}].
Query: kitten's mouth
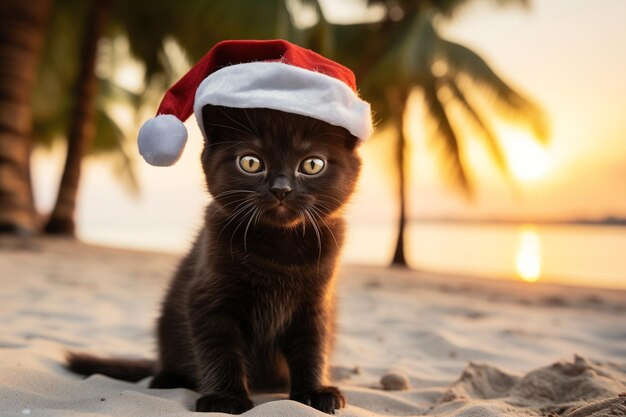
[
  {"x": 280, "y": 214},
  {"x": 282, "y": 209}
]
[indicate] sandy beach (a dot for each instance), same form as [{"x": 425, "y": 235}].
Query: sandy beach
[{"x": 408, "y": 344}]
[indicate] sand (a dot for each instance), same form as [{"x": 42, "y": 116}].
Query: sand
[{"x": 408, "y": 343}]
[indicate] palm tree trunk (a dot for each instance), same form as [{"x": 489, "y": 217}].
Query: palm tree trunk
[
  {"x": 81, "y": 130},
  {"x": 399, "y": 258},
  {"x": 22, "y": 32}
]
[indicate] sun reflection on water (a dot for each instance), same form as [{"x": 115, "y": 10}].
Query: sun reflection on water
[{"x": 528, "y": 255}]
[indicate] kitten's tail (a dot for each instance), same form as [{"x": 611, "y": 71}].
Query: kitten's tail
[{"x": 132, "y": 370}]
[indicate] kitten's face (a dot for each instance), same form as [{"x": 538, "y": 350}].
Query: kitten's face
[{"x": 277, "y": 168}]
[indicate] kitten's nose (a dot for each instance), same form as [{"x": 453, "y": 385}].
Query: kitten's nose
[{"x": 280, "y": 187}]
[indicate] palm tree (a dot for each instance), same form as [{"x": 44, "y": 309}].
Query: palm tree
[
  {"x": 405, "y": 53},
  {"x": 81, "y": 129},
  {"x": 22, "y": 31}
]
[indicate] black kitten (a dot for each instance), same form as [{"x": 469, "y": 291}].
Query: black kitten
[{"x": 251, "y": 307}]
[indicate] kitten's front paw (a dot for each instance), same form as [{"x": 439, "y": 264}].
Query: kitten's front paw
[
  {"x": 224, "y": 403},
  {"x": 325, "y": 399}
]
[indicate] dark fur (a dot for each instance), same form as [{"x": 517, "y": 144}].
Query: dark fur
[
  {"x": 125, "y": 369},
  {"x": 251, "y": 307}
]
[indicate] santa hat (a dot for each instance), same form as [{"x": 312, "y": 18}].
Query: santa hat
[{"x": 273, "y": 74}]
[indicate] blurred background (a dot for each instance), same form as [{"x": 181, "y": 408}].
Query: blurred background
[{"x": 500, "y": 147}]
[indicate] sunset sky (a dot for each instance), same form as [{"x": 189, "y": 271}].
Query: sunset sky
[{"x": 567, "y": 55}]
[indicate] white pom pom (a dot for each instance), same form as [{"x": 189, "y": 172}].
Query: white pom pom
[{"x": 162, "y": 140}]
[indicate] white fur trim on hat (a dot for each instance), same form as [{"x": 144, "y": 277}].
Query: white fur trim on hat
[
  {"x": 162, "y": 140},
  {"x": 279, "y": 86}
]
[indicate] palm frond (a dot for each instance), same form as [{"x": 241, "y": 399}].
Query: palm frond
[
  {"x": 407, "y": 59},
  {"x": 481, "y": 125},
  {"x": 462, "y": 61},
  {"x": 124, "y": 170},
  {"x": 108, "y": 135},
  {"x": 404, "y": 64},
  {"x": 198, "y": 25},
  {"x": 110, "y": 139},
  {"x": 113, "y": 92},
  {"x": 445, "y": 136}
]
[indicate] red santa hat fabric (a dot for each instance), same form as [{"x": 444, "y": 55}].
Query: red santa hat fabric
[{"x": 272, "y": 74}]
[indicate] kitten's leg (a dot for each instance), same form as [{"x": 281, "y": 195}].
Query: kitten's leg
[
  {"x": 306, "y": 349},
  {"x": 220, "y": 363},
  {"x": 175, "y": 365},
  {"x": 267, "y": 370}
]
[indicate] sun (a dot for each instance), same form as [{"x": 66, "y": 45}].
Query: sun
[{"x": 528, "y": 159}]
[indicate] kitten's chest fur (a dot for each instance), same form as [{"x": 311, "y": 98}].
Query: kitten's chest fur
[
  {"x": 272, "y": 308},
  {"x": 269, "y": 276}
]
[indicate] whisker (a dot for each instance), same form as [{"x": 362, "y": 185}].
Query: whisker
[
  {"x": 233, "y": 216},
  {"x": 232, "y": 236},
  {"x": 323, "y": 134},
  {"x": 241, "y": 202},
  {"x": 331, "y": 198},
  {"x": 222, "y": 206},
  {"x": 222, "y": 142},
  {"x": 232, "y": 146},
  {"x": 317, "y": 234},
  {"x": 325, "y": 224},
  {"x": 258, "y": 217},
  {"x": 247, "y": 133},
  {"x": 324, "y": 209},
  {"x": 228, "y": 192},
  {"x": 303, "y": 223},
  {"x": 245, "y": 233},
  {"x": 312, "y": 128},
  {"x": 235, "y": 201},
  {"x": 238, "y": 122},
  {"x": 251, "y": 123}
]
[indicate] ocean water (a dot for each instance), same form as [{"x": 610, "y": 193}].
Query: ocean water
[
  {"x": 570, "y": 254},
  {"x": 575, "y": 255}
]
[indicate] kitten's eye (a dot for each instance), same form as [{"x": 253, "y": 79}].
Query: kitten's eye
[
  {"x": 312, "y": 166},
  {"x": 251, "y": 164}
]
